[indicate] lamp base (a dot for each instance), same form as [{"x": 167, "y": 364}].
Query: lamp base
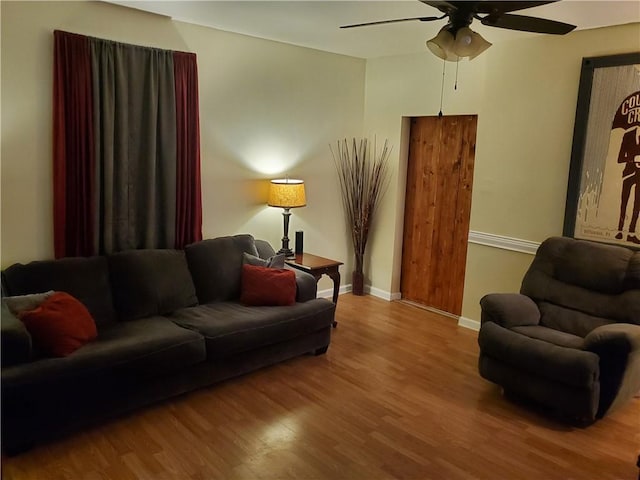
[
  {"x": 288, "y": 253},
  {"x": 285, "y": 239}
]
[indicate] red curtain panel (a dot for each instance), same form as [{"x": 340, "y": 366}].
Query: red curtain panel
[
  {"x": 126, "y": 147},
  {"x": 188, "y": 186},
  {"x": 73, "y": 146}
]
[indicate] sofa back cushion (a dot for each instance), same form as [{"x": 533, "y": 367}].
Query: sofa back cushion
[
  {"x": 569, "y": 320},
  {"x": 86, "y": 279},
  {"x": 592, "y": 266},
  {"x": 216, "y": 266},
  {"x": 150, "y": 282},
  {"x": 581, "y": 285}
]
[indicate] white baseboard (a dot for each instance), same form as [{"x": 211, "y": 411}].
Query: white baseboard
[
  {"x": 328, "y": 292},
  {"x": 376, "y": 292},
  {"x": 469, "y": 323},
  {"x": 462, "y": 321}
]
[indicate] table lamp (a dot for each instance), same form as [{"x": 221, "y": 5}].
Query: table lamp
[{"x": 286, "y": 193}]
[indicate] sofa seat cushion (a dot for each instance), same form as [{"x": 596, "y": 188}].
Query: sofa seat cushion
[
  {"x": 550, "y": 335},
  {"x": 570, "y": 366},
  {"x": 146, "y": 347},
  {"x": 230, "y": 327}
]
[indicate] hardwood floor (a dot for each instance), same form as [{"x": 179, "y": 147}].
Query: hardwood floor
[{"x": 396, "y": 396}]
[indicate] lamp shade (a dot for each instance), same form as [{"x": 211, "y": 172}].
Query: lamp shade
[{"x": 287, "y": 193}]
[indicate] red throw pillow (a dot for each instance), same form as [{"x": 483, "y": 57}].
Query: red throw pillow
[
  {"x": 267, "y": 286},
  {"x": 60, "y": 325}
]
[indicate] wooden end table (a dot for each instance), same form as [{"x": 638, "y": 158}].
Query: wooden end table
[{"x": 318, "y": 266}]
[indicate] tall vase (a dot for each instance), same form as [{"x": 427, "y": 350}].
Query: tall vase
[
  {"x": 357, "y": 277},
  {"x": 357, "y": 283}
]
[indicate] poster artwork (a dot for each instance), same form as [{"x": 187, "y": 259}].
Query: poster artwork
[
  {"x": 628, "y": 119},
  {"x": 609, "y": 203}
]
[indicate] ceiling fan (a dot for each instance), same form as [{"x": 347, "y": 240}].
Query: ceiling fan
[{"x": 456, "y": 40}]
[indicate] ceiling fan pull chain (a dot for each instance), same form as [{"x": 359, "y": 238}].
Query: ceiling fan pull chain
[
  {"x": 442, "y": 88},
  {"x": 455, "y": 86}
]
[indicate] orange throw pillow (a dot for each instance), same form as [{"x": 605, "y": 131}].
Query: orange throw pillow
[
  {"x": 60, "y": 325},
  {"x": 267, "y": 286}
]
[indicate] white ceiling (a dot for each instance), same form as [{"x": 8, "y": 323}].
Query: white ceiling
[{"x": 315, "y": 24}]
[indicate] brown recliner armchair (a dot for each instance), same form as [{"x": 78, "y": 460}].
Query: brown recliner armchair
[{"x": 570, "y": 340}]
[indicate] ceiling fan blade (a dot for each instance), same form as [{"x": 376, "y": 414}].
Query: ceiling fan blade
[
  {"x": 527, "y": 24},
  {"x": 422, "y": 19},
  {"x": 444, "y": 7},
  {"x": 493, "y": 7}
]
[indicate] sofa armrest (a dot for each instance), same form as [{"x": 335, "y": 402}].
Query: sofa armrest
[
  {"x": 509, "y": 310},
  {"x": 618, "y": 346},
  {"x": 264, "y": 248},
  {"x": 15, "y": 339},
  {"x": 306, "y": 285}
]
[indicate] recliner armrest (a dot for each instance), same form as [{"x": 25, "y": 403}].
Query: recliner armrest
[
  {"x": 509, "y": 310},
  {"x": 604, "y": 336},
  {"x": 618, "y": 346}
]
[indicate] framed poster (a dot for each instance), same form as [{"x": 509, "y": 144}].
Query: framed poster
[{"x": 603, "y": 195}]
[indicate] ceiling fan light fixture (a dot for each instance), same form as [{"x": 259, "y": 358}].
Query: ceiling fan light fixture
[
  {"x": 480, "y": 45},
  {"x": 463, "y": 46},
  {"x": 441, "y": 45},
  {"x": 454, "y": 46}
]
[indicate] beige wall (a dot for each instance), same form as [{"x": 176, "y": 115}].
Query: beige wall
[
  {"x": 408, "y": 86},
  {"x": 524, "y": 92},
  {"x": 266, "y": 109},
  {"x": 524, "y": 147}
]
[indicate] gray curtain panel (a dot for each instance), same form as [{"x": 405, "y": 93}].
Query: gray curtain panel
[{"x": 135, "y": 144}]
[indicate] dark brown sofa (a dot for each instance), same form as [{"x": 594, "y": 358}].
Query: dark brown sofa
[
  {"x": 571, "y": 339},
  {"x": 168, "y": 322}
]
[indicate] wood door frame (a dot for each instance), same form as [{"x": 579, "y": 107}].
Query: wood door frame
[{"x": 403, "y": 163}]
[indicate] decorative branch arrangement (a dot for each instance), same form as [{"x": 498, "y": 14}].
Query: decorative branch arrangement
[{"x": 363, "y": 177}]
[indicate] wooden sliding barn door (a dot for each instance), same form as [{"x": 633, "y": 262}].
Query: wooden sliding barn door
[{"x": 437, "y": 210}]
